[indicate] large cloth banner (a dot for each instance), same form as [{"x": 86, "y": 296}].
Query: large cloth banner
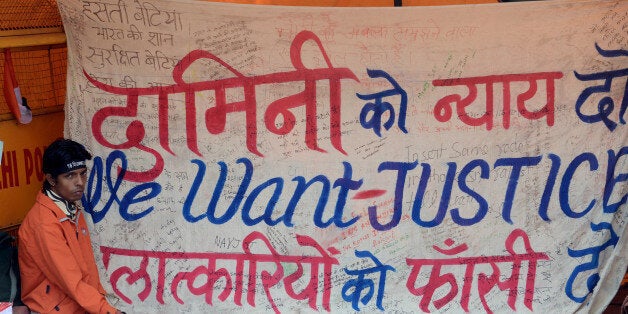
[{"x": 292, "y": 159}]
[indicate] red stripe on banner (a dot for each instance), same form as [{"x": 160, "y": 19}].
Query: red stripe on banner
[
  {"x": 368, "y": 194},
  {"x": 10, "y": 83},
  {"x": 12, "y": 94}
]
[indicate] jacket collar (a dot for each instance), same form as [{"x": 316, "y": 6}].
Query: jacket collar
[
  {"x": 69, "y": 208},
  {"x": 47, "y": 202}
]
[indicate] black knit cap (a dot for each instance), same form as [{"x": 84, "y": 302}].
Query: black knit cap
[{"x": 64, "y": 155}]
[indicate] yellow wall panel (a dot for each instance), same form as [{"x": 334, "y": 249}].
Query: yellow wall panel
[{"x": 20, "y": 168}]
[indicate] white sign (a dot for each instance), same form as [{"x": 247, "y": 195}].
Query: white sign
[{"x": 304, "y": 159}]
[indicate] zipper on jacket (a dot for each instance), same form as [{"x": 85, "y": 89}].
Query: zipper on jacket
[{"x": 76, "y": 227}]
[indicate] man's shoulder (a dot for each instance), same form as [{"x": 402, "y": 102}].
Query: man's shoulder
[
  {"x": 38, "y": 222},
  {"x": 43, "y": 211}
]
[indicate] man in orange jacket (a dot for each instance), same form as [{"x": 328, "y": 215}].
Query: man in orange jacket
[{"x": 57, "y": 264}]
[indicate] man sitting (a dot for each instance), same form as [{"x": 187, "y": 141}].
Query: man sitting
[{"x": 57, "y": 264}]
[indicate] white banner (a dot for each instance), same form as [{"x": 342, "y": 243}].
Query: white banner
[{"x": 303, "y": 159}]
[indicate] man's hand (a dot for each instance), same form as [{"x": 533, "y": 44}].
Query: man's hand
[{"x": 20, "y": 309}]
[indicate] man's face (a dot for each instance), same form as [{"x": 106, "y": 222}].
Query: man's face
[{"x": 70, "y": 185}]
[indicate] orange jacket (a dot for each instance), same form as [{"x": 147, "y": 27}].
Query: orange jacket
[{"x": 57, "y": 263}]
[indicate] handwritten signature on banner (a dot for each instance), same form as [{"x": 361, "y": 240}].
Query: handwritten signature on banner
[
  {"x": 237, "y": 274},
  {"x": 606, "y": 105},
  {"x": 144, "y": 11}
]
